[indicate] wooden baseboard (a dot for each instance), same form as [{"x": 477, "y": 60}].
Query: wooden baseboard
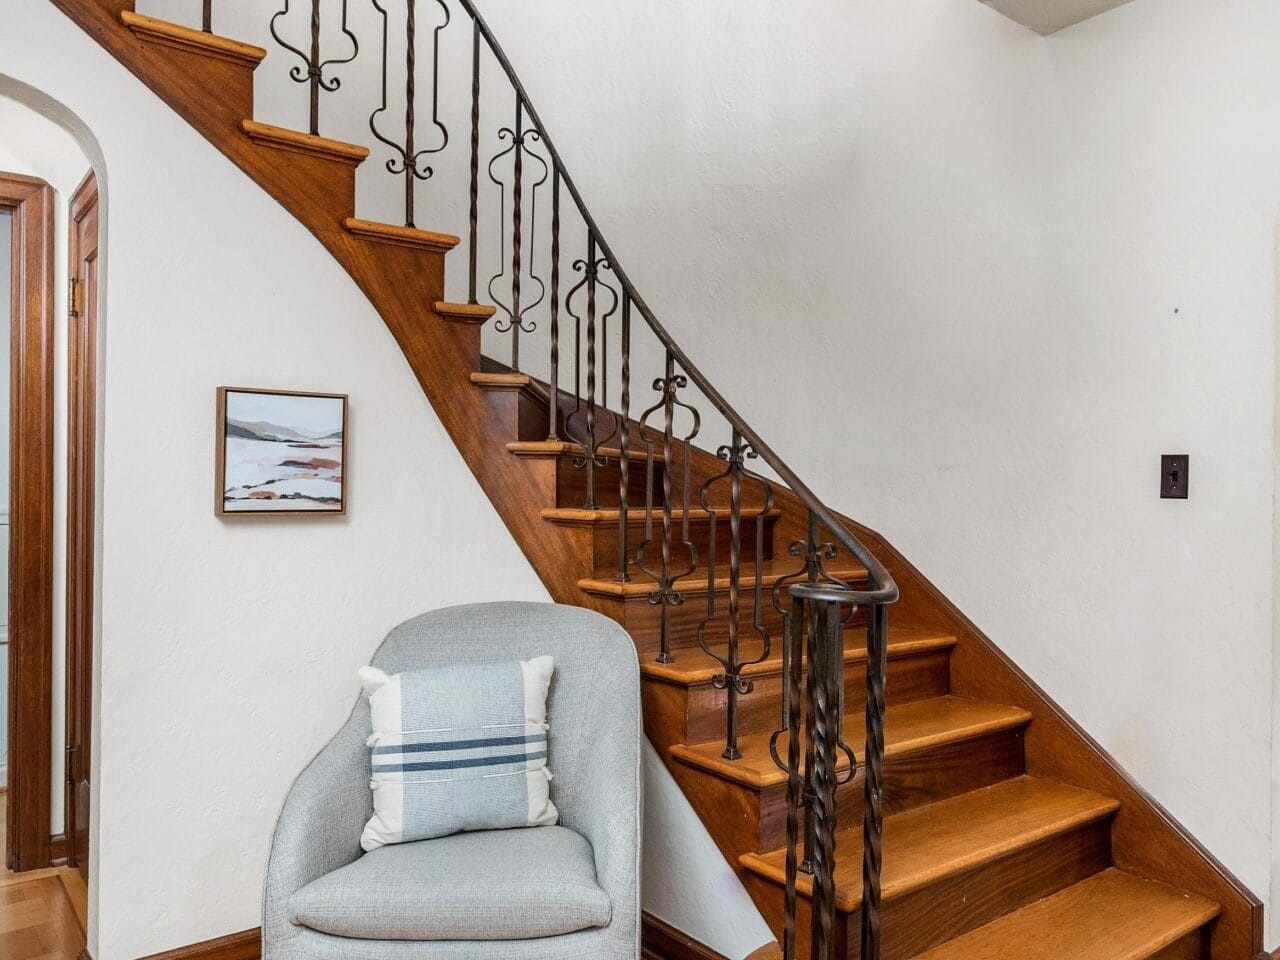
[
  {"x": 661, "y": 941},
  {"x": 658, "y": 941},
  {"x": 245, "y": 945}
]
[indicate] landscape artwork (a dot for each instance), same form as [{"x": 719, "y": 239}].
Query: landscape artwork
[{"x": 280, "y": 452}]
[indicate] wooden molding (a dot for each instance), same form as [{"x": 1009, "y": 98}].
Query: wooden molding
[
  {"x": 401, "y": 236},
  {"x": 245, "y": 945},
  {"x": 501, "y": 381},
  {"x": 661, "y": 941},
  {"x": 195, "y": 41},
  {"x": 304, "y": 143},
  {"x": 465, "y": 312},
  {"x": 31, "y": 520},
  {"x": 58, "y": 850}
]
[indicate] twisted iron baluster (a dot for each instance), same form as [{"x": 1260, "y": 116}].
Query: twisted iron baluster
[
  {"x": 474, "y": 251},
  {"x": 554, "y": 406},
  {"x": 624, "y": 451},
  {"x": 825, "y": 733},
  {"x": 666, "y": 595},
  {"x": 873, "y": 816},
  {"x": 516, "y": 310},
  {"x": 517, "y": 221},
  {"x": 591, "y": 445},
  {"x": 589, "y": 414},
  {"x": 731, "y": 679},
  {"x": 792, "y": 670},
  {"x": 206, "y": 20},
  {"x": 408, "y": 159},
  {"x": 313, "y": 74}
]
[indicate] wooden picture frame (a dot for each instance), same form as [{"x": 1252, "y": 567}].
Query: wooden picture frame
[{"x": 277, "y": 454}]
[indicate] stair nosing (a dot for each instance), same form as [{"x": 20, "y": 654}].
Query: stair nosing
[
  {"x": 692, "y": 585},
  {"x": 390, "y": 233},
  {"x": 1099, "y": 809},
  {"x": 897, "y": 650},
  {"x": 751, "y": 777},
  {"x": 476, "y": 313},
  {"x": 295, "y": 141},
  {"x": 188, "y": 38}
]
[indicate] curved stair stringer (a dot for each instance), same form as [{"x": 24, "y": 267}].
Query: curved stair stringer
[
  {"x": 402, "y": 275},
  {"x": 402, "y": 279}
]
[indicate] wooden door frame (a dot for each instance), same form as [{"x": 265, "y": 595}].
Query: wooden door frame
[
  {"x": 30, "y": 201},
  {"x": 82, "y": 339}
]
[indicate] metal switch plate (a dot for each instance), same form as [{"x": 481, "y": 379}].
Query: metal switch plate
[{"x": 1175, "y": 476}]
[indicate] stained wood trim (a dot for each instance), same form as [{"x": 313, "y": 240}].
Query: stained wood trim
[
  {"x": 658, "y": 941},
  {"x": 305, "y": 143},
  {"x": 465, "y": 312},
  {"x": 58, "y": 850},
  {"x": 402, "y": 236},
  {"x": 245, "y": 945},
  {"x": 661, "y": 941},
  {"x": 30, "y": 200},
  {"x": 186, "y": 38}
]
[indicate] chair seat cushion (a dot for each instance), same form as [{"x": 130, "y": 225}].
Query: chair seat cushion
[{"x": 492, "y": 885}]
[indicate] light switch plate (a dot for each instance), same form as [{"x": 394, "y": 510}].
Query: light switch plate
[{"x": 1175, "y": 476}]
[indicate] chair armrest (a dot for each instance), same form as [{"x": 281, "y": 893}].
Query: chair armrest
[
  {"x": 609, "y": 812},
  {"x": 318, "y": 830}
]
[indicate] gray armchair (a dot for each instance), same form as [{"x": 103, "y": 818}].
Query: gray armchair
[{"x": 569, "y": 892}]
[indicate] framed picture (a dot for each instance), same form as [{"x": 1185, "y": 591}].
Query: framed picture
[{"x": 281, "y": 453}]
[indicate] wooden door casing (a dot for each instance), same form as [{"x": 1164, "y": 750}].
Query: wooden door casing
[{"x": 82, "y": 324}]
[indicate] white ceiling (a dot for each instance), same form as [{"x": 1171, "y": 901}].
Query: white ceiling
[{"x": 1047, "y": 16}]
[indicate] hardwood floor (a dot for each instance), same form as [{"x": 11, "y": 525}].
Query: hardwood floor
[{"x": 43, "y": 913}]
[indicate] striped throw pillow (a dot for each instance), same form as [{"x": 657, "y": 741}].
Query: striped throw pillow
[{"x": 458, "y": 748}]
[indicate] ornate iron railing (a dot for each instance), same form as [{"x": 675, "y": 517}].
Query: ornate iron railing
[{"x": 816, "y": 608}]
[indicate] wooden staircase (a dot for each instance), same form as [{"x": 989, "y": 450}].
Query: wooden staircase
[{"x": 1009, "y": 834}]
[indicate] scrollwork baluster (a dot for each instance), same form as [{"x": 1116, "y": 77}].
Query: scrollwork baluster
[
  {"x": 624, "y": 446},
  {"x": 408, "y": 162},
  {"x": 312, "y": 69},
  {"x": 553, "y": 427},
  {"x": 666, "y": 596}
]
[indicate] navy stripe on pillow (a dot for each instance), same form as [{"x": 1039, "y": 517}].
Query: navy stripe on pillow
[
  {"x": 460, "y": 744},
  {"x": 462, "y": 764}
]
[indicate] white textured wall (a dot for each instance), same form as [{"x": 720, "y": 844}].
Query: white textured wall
[
  {"x": 35, "y": 145},
  {"x": 1159, "y": 337}
]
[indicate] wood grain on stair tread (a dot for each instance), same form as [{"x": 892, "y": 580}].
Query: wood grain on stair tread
[
  {"x": 1110, "y": 916},
  {"x": 693, "y": 666},
  {"x": 465, "y": 312},
  {"x": 928, "y": 843},
  {"x": 771, "y": 572},
  {"x": 635, "y": 517},
  {"x": 908, "y": 728},
  {"x": 501, "y": 381},
  {"x": 563, "y": 448},
  {"x": 188, "y": 38},
  {"x": 401, "y": 236},
  {"x": 285, "y": 139}
]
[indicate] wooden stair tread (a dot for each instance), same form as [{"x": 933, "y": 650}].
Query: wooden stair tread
[
  {"x": 1111, "y": 916},
  {"x": 951, "y": 836},
  {"x": 771, "y": 572},
  {"x": 401, "y": 236},
  {"x": 635, "y": 517},
  {"x": 465, "y": 312},
  {"x": 693, "y": 666},
  {"x": 908, "y": 728},
  {"x": 195, "y": 41},
  {"x": 566, "y": 448},
  {"x": 501, "y": 381},
  {"x": 297, "y": 142}
]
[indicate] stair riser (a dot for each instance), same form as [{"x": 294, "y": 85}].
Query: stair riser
[
  {"x": 571, "y": 485},
  {"x": 959, "y": 902},
  {"x": 1194, "y": 946},
  {"x": 605, "y": 544},
  {"x": 223, "y": 90},
  {"x": 917, "y": 677},
  {"x": 643, "y": 620},
  {"x": 742, "y": 818}
]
